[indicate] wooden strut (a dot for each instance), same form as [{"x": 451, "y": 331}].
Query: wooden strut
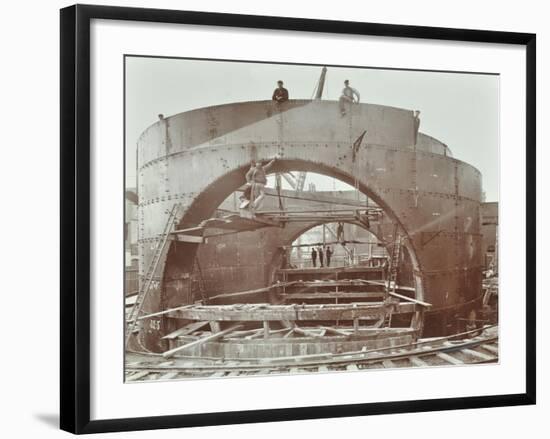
[
  {"x": 187, "y": 329},
  {"x": 201, "y": 341}
]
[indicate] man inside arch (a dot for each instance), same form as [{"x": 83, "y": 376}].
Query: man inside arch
[
  {"x": 257, "y": 177},
  {"x": 340, "y": 232}
]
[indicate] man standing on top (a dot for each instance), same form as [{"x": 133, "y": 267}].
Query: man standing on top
[
  {"x": 349, "y": 96},
  {"x": 280, "y": 94},
  {"x": 321, "y": 258},
  {"x": 328, "y": 253},
  {"x": 257, "y": 176},
  {"x": 313, "y": 257}
]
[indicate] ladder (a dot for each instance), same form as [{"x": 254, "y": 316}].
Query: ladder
[
  {"x": 394, "y": 262},
  {"x": 132, "y": 318}
]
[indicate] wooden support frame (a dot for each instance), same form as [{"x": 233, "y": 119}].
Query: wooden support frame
[{"x": 289, "y": 312}]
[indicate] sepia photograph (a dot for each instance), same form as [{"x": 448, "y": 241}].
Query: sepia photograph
[{"x": 298, "y": 219}]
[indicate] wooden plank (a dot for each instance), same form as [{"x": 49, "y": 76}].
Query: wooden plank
[
  {"x": 166, "y": 363},
  {"x": 417, "y": 362},
  {"x": 130, "y": 300},
  {"x": 200, "y": 341},
  {"x": 254, "y": 291},
  {"x": 306, "y": 333},
  {"x": 332, "y": 295},
  {"x": 187, "y": 329},
  {"x": 188, "y": 238},
  {"x": 168, "y": 375},
  {"x": 161, "y": 313},
  {"x": 490, "y": 348},
  {"x": 137, "y": 376},
  {"x": 409, "y": 299},
  {"x": 289, "y": 333},
  {"x": 336, "y": 331},
  {"x": 353, "y": 269},
  {"x": 246, "y": 334},
  {"x": 134, "y": 363},
  {"x": 260, "y": 333},
  {"x": 233, "y": 373},
  {"x": 448, "y": 358},
  {"x": 330, "y": 283},
  {"x": 479, "y": 355},
  {"x": 449, "y": 343},
  {"x": 397, "y": 287}
]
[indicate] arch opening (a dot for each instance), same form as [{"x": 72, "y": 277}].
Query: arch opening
[
  {"x": 343, "y": 244},
  {"x": 214, "y": 199}
]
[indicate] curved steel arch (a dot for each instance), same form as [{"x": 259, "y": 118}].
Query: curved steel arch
[{"x": 205, "y": 204}]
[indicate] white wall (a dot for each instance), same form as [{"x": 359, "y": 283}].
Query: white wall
[{"x": 30, "y": 206}]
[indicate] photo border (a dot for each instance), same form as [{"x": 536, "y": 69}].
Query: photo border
[{"x": 75, "y": 217}]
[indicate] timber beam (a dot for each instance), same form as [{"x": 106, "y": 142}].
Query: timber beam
[
  {"x": 332, "y": 295},
  {"x": 270, "y": 313}
]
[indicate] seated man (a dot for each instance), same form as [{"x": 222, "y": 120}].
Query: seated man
[
  {"x": 349, "y": 95},
  {"x": 280, "y": 94}
]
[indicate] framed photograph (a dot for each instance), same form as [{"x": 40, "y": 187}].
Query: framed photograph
[{"x": 274, "y": 218}]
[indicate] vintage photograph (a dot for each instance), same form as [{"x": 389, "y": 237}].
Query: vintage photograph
[{"x": 284, "y": 218}]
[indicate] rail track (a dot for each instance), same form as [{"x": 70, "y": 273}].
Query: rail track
[{"x": 481, "y": 347}]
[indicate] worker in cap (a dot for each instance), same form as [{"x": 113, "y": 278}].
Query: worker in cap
[
  {"x": 349, "y": 96},
  {"x": 280, "y": 94}
]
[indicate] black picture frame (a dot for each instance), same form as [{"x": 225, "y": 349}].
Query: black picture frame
[{"x": 75, "y": 217}]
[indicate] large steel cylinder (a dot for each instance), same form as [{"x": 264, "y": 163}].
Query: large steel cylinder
[{"x": 198, "y": 158}]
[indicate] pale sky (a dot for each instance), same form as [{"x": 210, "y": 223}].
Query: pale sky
[{"x": 460, "y": 110}]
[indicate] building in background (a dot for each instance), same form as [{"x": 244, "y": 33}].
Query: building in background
[
  {"x": 489, "y": 230},
  {"x": 131, "y": 256}
]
